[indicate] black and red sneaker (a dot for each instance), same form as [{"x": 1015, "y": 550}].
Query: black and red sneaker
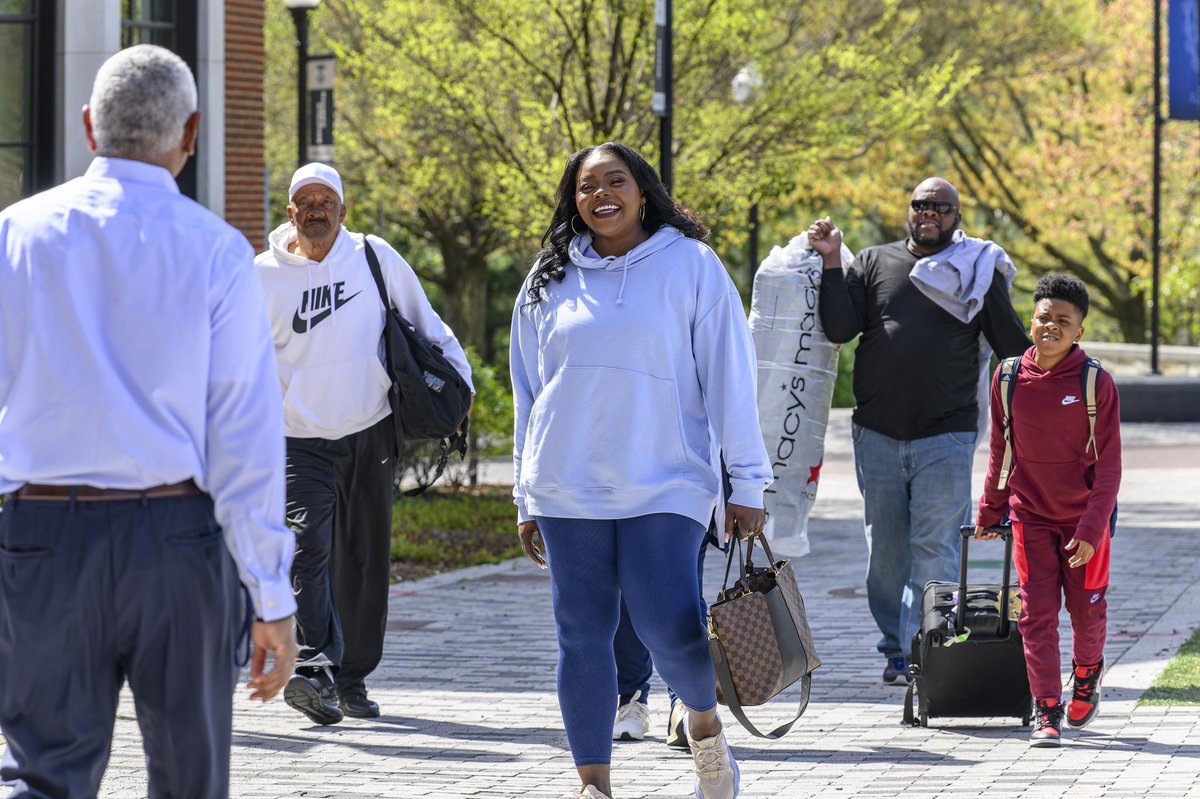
[
  {"x": 1085, "y": 696},
  {"x": 1047, "y": 723}
]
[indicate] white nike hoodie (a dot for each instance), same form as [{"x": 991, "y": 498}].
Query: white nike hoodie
[{"x": 327, "y": 322}]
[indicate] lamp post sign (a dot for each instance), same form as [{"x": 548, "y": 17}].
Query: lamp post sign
[
  {"x": 662, "y": 99},
  {"x": 320, "y": 72}
]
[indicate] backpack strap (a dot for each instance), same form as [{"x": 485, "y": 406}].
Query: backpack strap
[
  {"x": 1008, "y": 381},
  {"x": 1089, "y": 376},
  {"x": 377, "y": 274}
]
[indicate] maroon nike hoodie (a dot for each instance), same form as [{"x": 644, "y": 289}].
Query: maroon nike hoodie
[{"x": 1056, "y": 479}]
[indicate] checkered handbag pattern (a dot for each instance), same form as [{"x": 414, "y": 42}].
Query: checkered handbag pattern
[{"x": 743, "y": 627}]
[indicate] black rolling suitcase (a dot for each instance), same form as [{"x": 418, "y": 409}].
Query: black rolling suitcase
[{"x": 969, "y": 664}]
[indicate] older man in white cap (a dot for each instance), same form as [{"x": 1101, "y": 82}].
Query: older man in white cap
[{"x": 327, "y": 320}]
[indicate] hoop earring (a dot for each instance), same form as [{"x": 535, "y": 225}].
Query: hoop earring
[
  {"x": 643, "y": 215},
  {"x": 578, "y": 232}
]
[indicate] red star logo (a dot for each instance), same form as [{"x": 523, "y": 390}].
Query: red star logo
[{"x": 814, "y": 472}]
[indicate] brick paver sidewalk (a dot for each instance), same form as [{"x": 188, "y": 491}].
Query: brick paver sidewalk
[{"x": 467, "y": 684}]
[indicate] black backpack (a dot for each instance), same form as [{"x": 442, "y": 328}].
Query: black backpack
[{"x": 429, "y": 398}]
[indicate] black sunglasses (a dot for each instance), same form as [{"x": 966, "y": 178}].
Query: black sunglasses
[{"x": 937, "y": 206}]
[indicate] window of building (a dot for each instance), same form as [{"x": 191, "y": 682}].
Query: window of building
[
  {"x": 171, "y": 24},
  {"x": 148, "y": 22},
  {"x": 26, "y": 95}
]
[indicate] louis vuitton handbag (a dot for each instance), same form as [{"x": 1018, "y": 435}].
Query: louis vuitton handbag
[{"x": 759, "y": 637}]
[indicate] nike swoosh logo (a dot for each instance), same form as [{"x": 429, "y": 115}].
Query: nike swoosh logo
[
  {"x": 301, "y": 324},
  {"x": 1070, "y": 400}
]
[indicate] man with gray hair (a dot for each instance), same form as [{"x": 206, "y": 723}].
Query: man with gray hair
[{"x": 141, "y": 459}]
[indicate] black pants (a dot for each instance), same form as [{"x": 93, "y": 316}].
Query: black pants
[
  {"x": 339, "y": 504},
  {"x": 92, "y": 594}
]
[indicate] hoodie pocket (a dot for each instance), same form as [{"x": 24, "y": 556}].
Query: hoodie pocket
[
  {"x": 600, "y": 427},
  {"x": 335, "y": 397}
]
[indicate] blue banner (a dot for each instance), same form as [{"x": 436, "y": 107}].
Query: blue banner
[{"x": 1183, "y": 59}]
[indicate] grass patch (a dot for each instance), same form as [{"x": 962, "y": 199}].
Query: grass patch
[
  {"x": 446, "y": 529},
  {"x": 1179, "y": 684}
]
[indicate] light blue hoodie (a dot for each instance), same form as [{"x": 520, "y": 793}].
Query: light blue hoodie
[{"x": 628, "y": 377}]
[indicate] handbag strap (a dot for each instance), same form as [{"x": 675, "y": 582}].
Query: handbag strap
[
  {"x": 725, "y": 679},
  {"x": 736, "y": 543},
  {"x": 762, "y": 539}
]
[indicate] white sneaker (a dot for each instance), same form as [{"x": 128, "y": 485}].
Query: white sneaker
[
  {"x": 633, "y": 722},
  {"x": 588, "y": 792},
  {"x": 717, "y": 773}
]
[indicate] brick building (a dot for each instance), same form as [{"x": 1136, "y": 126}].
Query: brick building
[{"x": 52, "y": 51}]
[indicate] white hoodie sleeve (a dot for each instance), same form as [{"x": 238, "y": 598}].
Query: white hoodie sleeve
[
  {"x": 527, "y": 385},
  {"x": 726, "y": 365},
  {"x": 408, "y": 297}
]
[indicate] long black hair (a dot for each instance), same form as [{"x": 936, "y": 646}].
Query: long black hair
[{"x": 553, "y": 258}]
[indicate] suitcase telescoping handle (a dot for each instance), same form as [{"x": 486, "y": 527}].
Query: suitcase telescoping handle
[{"x": 968, "y": 532}]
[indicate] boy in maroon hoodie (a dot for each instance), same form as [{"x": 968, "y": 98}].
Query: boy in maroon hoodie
[{"x": 1060, "y": 497}]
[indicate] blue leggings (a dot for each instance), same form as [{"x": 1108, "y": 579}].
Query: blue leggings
[{"x": 650, "y": 561}]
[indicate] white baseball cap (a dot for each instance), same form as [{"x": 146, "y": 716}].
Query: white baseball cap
[{"x": 316, "y": 172}]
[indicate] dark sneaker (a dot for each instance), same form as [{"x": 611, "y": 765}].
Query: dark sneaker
[
  {"x": 313, "y": 694},
  {"x": 354, "y": 702},
  {"x": 676, "y": 725},
  {"x": 1085, "y": 697},
  {"x": 896, "y": 671},
  {"x": 1047, "y": 723}
]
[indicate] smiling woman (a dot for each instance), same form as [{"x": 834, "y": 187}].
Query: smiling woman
[{"x": 632, "y": 366}]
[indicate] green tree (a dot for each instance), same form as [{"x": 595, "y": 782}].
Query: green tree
[
  {"x": 456, "y": 116},
  {"x": 1051, "y": 147}
]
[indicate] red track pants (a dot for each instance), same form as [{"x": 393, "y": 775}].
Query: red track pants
[{"x": 1046, "y": 578}]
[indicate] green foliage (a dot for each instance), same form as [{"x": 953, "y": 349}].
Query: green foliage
[
  {"x": 843, "y": 389},
  {"x": 455, "y": 117},
  {"x": 1179, "y": 684},
  {"x": 491, "y": 434},
  {"x": 447, "y": 529},
  {"x": 492, "y": 412},
  {"x": 1050, "y": 147}
]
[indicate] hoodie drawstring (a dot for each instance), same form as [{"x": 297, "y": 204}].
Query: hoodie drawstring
[
  {"x": 309, "y": 294},
  {"x": 624, "y": 273},
  {"x": 332, "y": 303}
]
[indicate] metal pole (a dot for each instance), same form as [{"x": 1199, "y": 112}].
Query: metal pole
[
  {"x": 753, "y": 266},
  {"x": 664, "y": 127},
  {"x": 300, "y": 17},
  {"x": 1156, "y": 211}
]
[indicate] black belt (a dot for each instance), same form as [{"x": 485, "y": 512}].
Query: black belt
[{"x": 82, "y": 493}]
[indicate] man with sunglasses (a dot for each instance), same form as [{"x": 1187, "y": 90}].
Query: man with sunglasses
[{"x": 921, "y": 306}]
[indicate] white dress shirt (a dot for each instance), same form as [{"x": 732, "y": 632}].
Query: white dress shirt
[{"x": 135, "y": 352}]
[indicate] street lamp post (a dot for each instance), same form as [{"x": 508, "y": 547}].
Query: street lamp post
[{"x": 300, "y": 9}]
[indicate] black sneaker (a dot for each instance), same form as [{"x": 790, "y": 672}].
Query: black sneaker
[
  {"x": 1047, "y": 723},
  {"x": 1085, "y": 696},
  {"x": 354, "y": 703},
  {"x": 896, "y": 671},
  {"x": 313, "y": 694}
]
